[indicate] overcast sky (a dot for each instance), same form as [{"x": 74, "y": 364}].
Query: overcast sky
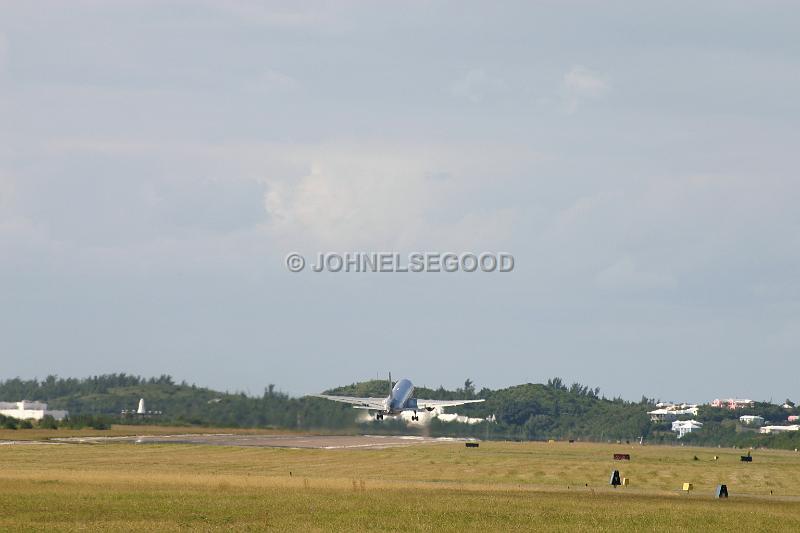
[{"x": 158, "y": 161}]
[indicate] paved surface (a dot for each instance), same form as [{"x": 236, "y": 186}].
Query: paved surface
[
  {"x": 25, "y": 442},
  {"x": 330, "y": 442}
]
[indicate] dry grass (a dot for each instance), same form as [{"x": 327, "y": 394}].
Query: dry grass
[{"x": 501, "y": 486}]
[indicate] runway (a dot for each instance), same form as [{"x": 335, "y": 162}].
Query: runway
[{"x": 323, "y": 442}]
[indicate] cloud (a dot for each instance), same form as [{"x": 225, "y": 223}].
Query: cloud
[
  {"x": 713, "y": 237},
  {"x": 477, "y": 85},
  {"x": 580, "y": 84},
  {"x": 389, "y": 196},
  {"x": 582, "y": 81},
  {"x": 150, "y": 203},
  {"x": 23, "y": 241},
  {"x": 3, "y": 52},
  {"x": 313, "y": 16},
  {"x": 271, "y": 81},
  {"x": 627, "y": 275},
  {"x": 7, "y": 192}
]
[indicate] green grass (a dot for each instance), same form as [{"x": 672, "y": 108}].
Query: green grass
[{"x": 443, "y": 487}]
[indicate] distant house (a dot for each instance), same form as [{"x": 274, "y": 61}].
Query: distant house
[
  {"x": 733, "y": 403},
  {"x": 779, "y": 429},
  {"x": 676, "y": 406},
  {"x": 682, "y": 427},
  {"x": 793, "y": 418},
  {"x": 672, "y": 411},
  {"x": 26, "y": 409},
  {"x": 662, "y": 415},
  {"x": 751, "y": 420}
]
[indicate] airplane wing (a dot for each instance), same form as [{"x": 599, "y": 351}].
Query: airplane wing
[
  {"x": 358, "y": 403},
  {"x": 433, "y": 404}
]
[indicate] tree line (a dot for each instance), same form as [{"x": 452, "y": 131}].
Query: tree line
[{"x": 532, "y": 411}]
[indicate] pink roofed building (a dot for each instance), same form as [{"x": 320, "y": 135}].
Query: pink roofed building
[{"x": 733, "y": 403}]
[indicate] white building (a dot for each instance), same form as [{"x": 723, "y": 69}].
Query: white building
[
  {"x": 675, "y": 406},
  {"x": 682, "y": 427},
  {"x": 778, "y": 429},
  {"x": 662, "y": 415},
  {"x": 752, "y": 420},
  {"x": 672, "y": 411},
  {"x": 26, "y": 409}
]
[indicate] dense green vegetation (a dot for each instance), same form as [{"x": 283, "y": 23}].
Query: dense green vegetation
[
  {"x": 551, "y": 410},
  {"x": 106, "y": 396}
]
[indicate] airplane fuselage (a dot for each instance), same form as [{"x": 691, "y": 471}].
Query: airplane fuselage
[{"x": 398, "y": 398}]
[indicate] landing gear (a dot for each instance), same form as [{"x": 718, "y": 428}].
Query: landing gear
[
  {"x": 415, "y": 417},
  {"x": 379, "y": 416}
]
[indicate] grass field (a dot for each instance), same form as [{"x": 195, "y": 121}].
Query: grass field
[{"x": 438, "y": 487}]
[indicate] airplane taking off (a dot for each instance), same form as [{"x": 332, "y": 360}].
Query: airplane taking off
[{"x": 399, "y": 400}]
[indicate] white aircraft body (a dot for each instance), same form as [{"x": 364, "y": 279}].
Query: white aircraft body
[{"x": 400, "y": 399}]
